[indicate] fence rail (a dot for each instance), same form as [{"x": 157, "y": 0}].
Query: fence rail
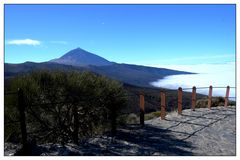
[{"x": 205, "y": 88}]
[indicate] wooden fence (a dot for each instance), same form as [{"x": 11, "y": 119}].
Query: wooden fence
[{"x": 180, "y": 96}]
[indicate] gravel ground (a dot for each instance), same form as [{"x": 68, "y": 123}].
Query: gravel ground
[
  {"x": 202, "y": 132},
  {"x": 209, "y": 132}
]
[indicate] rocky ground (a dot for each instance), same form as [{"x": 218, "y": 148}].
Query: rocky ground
[
  {"x": 206, "y": 132},
  {"x": 199, "y": 132}
]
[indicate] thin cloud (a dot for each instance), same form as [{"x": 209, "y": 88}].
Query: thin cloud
[
  {"x": 59, "y": 42},
  {"x": 184, "y": 59},
  {"x": 30, "y": 42},
  {"x": 203, "y": 57}
]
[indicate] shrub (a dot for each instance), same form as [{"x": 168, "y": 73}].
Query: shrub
[
  {"x": 152, "y": 115},
  {"x": 216, "y": 101},
  {"x": 53, "y": 97}
]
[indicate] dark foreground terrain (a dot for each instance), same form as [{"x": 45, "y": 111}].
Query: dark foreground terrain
[{"x": 200, "y": 132}]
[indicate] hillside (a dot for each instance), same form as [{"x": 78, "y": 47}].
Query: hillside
[
  {"x": 134, "y": 74},
  {"x": 152, "y": 99},
  {"x": 81, "y": 60}
]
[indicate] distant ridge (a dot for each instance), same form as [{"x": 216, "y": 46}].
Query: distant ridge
[
  {"x": 81, "y": 60},
  {"x": 80, "y": 57}
]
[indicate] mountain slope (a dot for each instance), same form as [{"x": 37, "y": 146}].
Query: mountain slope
[
  {"x": 134, "y": 74},
  {"x": 130, "y": 74},
  {"x": 11, "y": 70},
  {"x": 82, "y": 60},
  {"x": 80, "y": 57}
]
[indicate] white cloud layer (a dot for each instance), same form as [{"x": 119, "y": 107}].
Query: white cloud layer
[
  {"x": 217, "y": 75},
  {"x": 24, "y": 42}
]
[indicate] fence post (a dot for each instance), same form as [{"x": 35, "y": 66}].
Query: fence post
[
  {"x": 179, "y": 100},
  {"x": 21, "y": 108},
  {"x": 141, "y": 109},
  {"x": 76, "y": 124},
  {"x": 163, "y": 105},
  {"x": 210, "y": 98},
  {"x": 113, "y": 121},
  {"x": 226, "y": 97},
  {"x": 193, "y": 98}
]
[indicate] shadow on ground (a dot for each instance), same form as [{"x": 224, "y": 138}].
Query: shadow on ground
[
  {"x": 131, "y": 140},
  {"x": 136, "y": 140},
  {"x": 153, "y": 141}
]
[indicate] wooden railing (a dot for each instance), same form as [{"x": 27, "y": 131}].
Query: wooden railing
[{"x": 180, "y": 101}]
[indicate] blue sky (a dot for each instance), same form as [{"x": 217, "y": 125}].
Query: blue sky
[{"x": 136, "y": 34}]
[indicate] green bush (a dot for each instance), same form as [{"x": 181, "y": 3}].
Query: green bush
[
  {"x": 53, "y": 97},
  {"x": 152, "y": 115},
  {"x": 216, "y": 101}
]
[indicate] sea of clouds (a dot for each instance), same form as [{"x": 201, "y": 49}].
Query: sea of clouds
[{"x": 217, "y": 75}]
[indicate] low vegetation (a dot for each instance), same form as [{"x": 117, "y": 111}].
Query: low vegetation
[
  {"x": 133, "y": 118},
  {"x": 152, "y": 115},
  {"x": 216, "y": 101},
  {"x": 52, "y": 98}
]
